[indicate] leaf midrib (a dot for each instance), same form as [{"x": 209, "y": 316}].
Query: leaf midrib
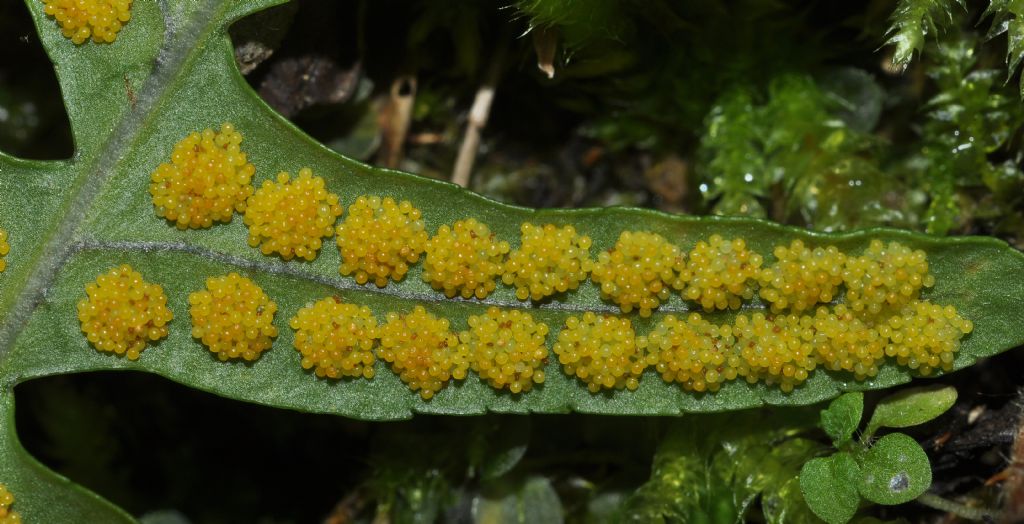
[{"x": 176, "y": 54}]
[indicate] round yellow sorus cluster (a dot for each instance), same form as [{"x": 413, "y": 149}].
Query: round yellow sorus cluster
[
  {"x": 4, "y": 249},
  {"x": 694, "y": 353},
  {"x": 601, "y": 351},
  {"x": 122, "y": 312},
  {"x": 550, "y": 260},
  {"x": 845, "y": 342},
  {"x": 422, "y": 350},
  {"x": 336, "y": 338},
  {"x": 507, "y": 348},
  {"x": 890, "y": 275},
  {"x": 7, "y": 515},
  {"x": 207, "y": 180},
  {"x": 379, "y": 239},
  {"x": 80, "y": 19},
  {"x": 925, "y": 336},
  {"x": 639, "y": 271},
  {"x": 802, "y": 277},
  {"x": 464, "y": 259},
  {"x": 233, "y": 317},
  {"x": 290, "y": 217},
  {"x": 720, "y": 273},
  {"x": 777, "y": 350}
]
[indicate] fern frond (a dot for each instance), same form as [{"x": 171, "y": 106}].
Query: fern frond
[{"x": 913, "y": 20}]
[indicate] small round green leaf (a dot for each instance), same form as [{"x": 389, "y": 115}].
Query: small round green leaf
[
  {"x": 895, "y": 470},
  {"x": 842, "y": 417},
  {"x": 829, "y": 486},
  {"x": 911, "y": 407}
]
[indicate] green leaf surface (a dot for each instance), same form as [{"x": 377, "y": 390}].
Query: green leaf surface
[
  {"x": 842, "y": 417},
  {"x": 172, "y": 71},
  {"x": 911, "y": 407},
  {"x": 895, "y": 470},
  {"x": 829, "y": 485}
]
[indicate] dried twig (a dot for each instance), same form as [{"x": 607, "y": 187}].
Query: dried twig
[
  {"x": 477, "y": 120},
  {"x": 394, "y": 119}
]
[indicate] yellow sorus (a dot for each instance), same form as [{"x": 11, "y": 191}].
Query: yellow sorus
[
  {"x": 925, "y": 336},
  {"x": 845, "y": 342},
  {"x": 233, "y": 317},
  {"x": 422, "y": 350},
  {"x": 4, "y": 249},
  {"x": 550, "y": 260},
  {"x": 778, "y": 350},
  {"x": 291, "y": 217},
  {"x": 601, "y": 351},
  {"x": 507, "y": 348},
  {"x": 890, "y": 275},
  {"x": 207, "y": 180},
  {"x": 720, "y": 273},
  {"x": 379, "y": 239},
  {"x": 122, "y": 312},
  {"x": 80, "y": 19},
  {"x": 336, "y": 338},
  {"x": 464, "y": 259},
  {"x": 802, "y": 277},
  {"x": 693, "y": 353},
  {"x": 7, "y": 515},
  {"x": 639, "y": 271}
]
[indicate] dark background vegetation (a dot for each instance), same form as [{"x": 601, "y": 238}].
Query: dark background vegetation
[{"x": 792, "y": 111}]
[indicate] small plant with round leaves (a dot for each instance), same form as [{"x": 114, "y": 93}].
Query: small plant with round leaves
[{"x": 891, "y": 470}]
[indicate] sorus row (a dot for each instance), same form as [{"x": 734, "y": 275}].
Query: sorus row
[
  {"x": 508, "y": 349},
  {"x": 209, "y": 179}
]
